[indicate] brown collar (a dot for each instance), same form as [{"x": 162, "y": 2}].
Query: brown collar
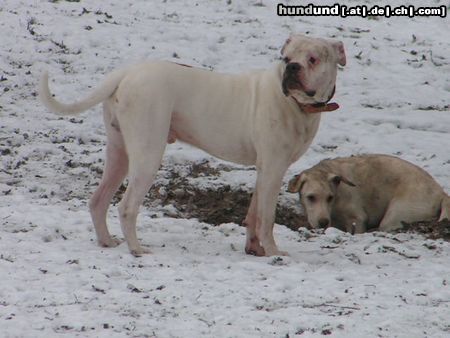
[{"x": 312, "y": 109}]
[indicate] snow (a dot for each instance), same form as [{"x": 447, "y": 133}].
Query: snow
[{"x": 394, "y": 95}]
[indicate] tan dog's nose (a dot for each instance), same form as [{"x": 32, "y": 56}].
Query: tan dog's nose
[{"x": 323, "y": 222}]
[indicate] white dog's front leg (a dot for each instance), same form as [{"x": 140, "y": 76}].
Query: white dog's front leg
[
  {"x": 268, "y": 185},
  {"x": 252, "y": 245}
]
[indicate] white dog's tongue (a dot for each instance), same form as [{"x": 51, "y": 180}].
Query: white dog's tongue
[{"x": 309, "y": 108}]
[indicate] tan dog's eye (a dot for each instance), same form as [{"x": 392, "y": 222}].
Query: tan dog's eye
[
  {"x": 330, "y": 198},
  {"x": 311, "y": 198}
]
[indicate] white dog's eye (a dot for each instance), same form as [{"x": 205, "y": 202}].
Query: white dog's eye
[
  {"x": 312, "y": 60},
  {"x": 286, "y": 59}
]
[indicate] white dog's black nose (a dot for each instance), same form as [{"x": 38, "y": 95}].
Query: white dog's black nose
[
  {"x": 324, "y": 222},
  {"x": 293, "y": 67}
]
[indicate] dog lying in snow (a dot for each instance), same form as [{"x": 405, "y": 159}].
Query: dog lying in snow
[
  {"x": 369, "y": 191},
  {"x": 263, "y": 118}
]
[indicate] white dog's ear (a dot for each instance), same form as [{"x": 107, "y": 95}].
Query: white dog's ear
[
  {"x": 297, "y": 37},
  {"x": 340, "y": 52},
  {"x": 283, "y": 49},
  {"x": 296, "y": 183},
  {"x": 337, "y": 179}
]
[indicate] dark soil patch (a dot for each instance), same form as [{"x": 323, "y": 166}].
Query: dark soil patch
[
  {"x": 222, "y": 205},
  {"x": 214, "y": 205},
  {"x": 429, "y": 229}
]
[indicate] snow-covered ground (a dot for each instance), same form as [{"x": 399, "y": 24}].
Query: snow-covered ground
[{"x": 394, "y": 95}]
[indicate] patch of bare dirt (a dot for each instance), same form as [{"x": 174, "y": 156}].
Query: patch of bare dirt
[
  {"x": 222, "y": 205},
  {"x": 212, "y": 205},
  {"x": 429, "y": 229}
]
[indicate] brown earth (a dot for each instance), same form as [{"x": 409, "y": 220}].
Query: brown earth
[{"x": 430, "y": 229}]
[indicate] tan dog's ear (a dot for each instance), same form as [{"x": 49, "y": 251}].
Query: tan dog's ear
[
  {"x": 296, "y": 183},
  {"x": 337, "y": 179},
  {"x": 340, "y": 52}
]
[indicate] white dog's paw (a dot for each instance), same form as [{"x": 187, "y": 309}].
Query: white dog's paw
[
  {"x": 275, "y": 252},
  {"x": 281, "y": 253},
  {"x": 140, "y": 251},
  {"x": 110, "y": 242}
]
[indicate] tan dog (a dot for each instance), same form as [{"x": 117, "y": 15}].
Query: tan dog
[
  {"x": 362, "y": 192},
  {"x": 264, "y": 118}
]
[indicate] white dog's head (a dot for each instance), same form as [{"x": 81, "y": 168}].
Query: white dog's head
[
  {"x": 318, "y": 190},
  {"x": 310, "y": 69}
]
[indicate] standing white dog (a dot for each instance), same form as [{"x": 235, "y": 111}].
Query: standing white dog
[{"x": 263, "y": 118}]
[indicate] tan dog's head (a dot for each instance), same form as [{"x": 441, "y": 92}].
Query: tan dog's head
[
  {"x": 310, "y": 69},
  {"x": 317, "y": 190}
]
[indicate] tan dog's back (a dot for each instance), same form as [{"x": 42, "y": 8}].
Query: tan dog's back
[{"x": 387, "y": 180}]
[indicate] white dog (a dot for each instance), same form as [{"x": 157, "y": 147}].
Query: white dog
[
  {"x": 263, "y": 118},
  {"x": 369, "y": 191}
]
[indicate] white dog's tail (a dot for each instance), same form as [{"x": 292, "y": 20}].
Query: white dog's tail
[
  {"x": 445, "y": 208},
  {"x": 98, "y": 95}
]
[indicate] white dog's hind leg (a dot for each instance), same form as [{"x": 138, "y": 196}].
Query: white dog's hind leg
[
  {"x": 116, "y": 167},
  {"x": 142, "y": 173},
  {"x": 145, "y": 137},
  {"x": 115, "y": 171},
  {"x": 140, "y": 182}
]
